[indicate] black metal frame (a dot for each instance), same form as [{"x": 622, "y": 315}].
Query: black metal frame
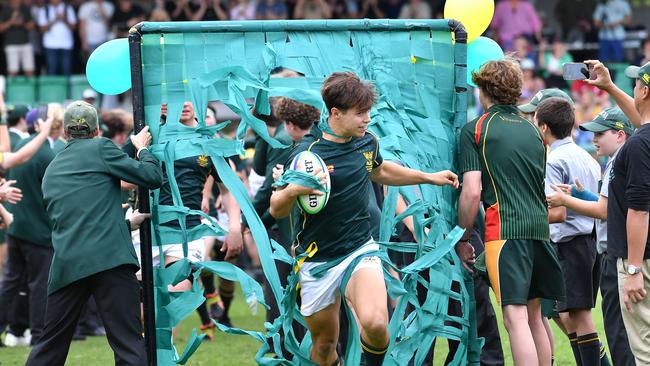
[
  {"x": 135, "y": 42},
  {"x": 149, "y": 310}
]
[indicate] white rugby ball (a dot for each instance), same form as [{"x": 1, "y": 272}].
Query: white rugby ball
[{"x": 308, "y": 162}]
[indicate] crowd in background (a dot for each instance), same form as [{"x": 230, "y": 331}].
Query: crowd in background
[{"x": 56, "y": 37}]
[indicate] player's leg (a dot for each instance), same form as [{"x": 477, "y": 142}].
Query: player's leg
[
  {"x": 549, "y": 334},
  {"x": 578, "y": 258},
  {"x": 522, "y": 344},
  {"x": 320, "y": 301},
  {"x": 510, "y": 270},
  {"x": 324, "y": 328},
  {"x": 366, "y": 295},
  {"x": 538, "y": 330},
  {"x": 174, "y": 253},
  {"x": 226, "y": 289}
]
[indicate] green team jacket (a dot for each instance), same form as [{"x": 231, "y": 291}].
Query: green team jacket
[
  {"x": 14, "y": 139},
  {"x": 81, "y": 193}
]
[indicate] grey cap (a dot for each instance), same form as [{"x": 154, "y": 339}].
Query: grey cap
[
  {"x": 541, "y": 95},
  {"x": 642, "y": 73}
]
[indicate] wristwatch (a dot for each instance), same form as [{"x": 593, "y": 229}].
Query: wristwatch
[{"x": 632, "y": 269}]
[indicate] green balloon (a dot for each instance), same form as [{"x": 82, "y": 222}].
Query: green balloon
[
  {"x": 480, "y": 51},
  {"x": 109, "y": 67}
]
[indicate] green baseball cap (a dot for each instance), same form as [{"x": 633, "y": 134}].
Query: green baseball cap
[
  {"x": 541, "y": 95},
  {"x": 80, "y": 118},
  {"x": 17, "y": 111},
  {"x": 611, "y": 118},
  {"x": 642, "y": 73}
]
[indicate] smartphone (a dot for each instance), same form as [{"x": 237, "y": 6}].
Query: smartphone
[
  {"x": 576, "y": 71},
  {"x": 42, "y": 112}
]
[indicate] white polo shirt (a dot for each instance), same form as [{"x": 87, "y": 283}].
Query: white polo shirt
[{"x": 59, "y": 36}]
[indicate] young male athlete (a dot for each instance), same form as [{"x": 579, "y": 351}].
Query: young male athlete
[
  {"x": 502, "y": 158},
  {"x": 341, "y": 231},
  {"x": 191, "y": 174},
  {"x": 611, "y": 130}
]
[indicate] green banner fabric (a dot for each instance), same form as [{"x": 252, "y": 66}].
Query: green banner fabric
[{"x": 419, "y": 72}]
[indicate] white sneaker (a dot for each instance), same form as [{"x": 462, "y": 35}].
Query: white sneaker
[
  {"x": 28, "y": 336},
  {"x": 13, "y": 341}
]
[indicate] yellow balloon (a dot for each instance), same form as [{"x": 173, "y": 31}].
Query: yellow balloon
[{"x": 475, "y": 15}]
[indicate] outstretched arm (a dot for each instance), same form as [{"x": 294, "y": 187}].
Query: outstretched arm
[
  {"x": 561, "y": 198},
  {"x": 393, "y": 174},
  {"x": 12, "y": 159}
]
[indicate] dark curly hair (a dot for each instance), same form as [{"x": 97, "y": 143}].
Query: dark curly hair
[
  {"x": 300, "y": 114},
  {"x": 501, "y": 81}
]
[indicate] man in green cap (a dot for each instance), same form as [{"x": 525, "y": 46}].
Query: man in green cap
[
  {"x": 611, "y": 130},
  {"x": 93, "y": 253}
]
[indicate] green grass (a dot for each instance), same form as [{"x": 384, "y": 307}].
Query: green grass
[{"x": 231, "y": 350}]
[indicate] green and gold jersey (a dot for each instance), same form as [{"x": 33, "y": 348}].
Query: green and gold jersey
[
  {"x": 191, "y": 174},
  {"x": 344, "y": 224},
  {"x": 509, "y": 152}
]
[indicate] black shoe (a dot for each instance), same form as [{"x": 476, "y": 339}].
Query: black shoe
[
  {"x": 225, "y": 321},
  {"x": 216, "y": 311}
]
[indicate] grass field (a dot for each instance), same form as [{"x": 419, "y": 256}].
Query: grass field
[{"x": 230, "y": 350}]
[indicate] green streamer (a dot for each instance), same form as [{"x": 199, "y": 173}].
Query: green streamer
[{"x": 420, "y": 77}]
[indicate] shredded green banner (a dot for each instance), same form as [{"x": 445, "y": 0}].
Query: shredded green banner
[{"x": 419, "y": 73}]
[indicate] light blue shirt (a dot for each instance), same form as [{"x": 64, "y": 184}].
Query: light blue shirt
[
  {"x": 613, "y": 11},
  {"x": 566, "y": 162},
  {"x": 601, "y": 225}
]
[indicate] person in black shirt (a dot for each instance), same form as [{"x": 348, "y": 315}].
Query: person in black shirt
[
  {"x": 126, "y": 16},
  {"x": 628, "y": 213}
]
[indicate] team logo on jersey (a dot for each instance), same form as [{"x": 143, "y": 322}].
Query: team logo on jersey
[
  {"x": 203, "y": 161},
  {"x": 368, "y": 155},
  {"x": 330, "y": 168}
]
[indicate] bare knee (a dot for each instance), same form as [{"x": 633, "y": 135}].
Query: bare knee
[
  {"x": 374, "y": 323},
  {"x": 514, "y": 316}
]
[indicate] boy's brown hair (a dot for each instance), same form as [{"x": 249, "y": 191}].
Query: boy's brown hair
[
  {"x": 501, "y": 81},
  {"x": 345, "y": 90}
]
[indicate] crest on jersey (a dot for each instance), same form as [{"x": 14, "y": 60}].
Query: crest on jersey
[
  {"x": 368, "y": 155},
  {"x": 203, "y": 161}
]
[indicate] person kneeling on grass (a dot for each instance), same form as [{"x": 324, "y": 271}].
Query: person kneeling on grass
[{"x": 341, "y": 231}]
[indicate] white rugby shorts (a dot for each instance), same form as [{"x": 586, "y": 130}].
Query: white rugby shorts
[{"x": 318, "y": 293}]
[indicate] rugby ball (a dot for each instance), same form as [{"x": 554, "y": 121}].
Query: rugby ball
[{"x": 308, "y": 162}]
